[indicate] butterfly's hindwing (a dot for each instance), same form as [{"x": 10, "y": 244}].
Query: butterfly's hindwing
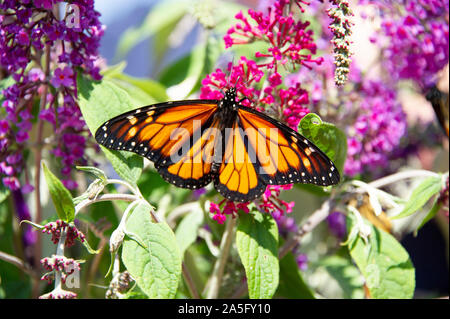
[{"x": 238, "y": 178}]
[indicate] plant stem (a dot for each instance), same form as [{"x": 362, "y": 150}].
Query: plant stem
[
  {"x": 135, "y": 190},
  {"x": 19, "y": 263},
  {"x": 60, "y": 253},
  {"x": 103, "y": 198},
  {"x": 315, "y": 219},
  {"x": 182, "y": 210},
  {"x": 37, "y": 167},
  {"x": 189, "y": 283},
  {"x": 402, "y": 175},
  {"x": 219, "y": 266}
]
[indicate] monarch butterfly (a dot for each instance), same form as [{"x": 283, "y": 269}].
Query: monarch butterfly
[{"x": 194, "y": 142}]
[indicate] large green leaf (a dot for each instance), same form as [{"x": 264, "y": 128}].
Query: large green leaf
[
  {"x": 62, "y": 199},
  {"x": 157, "y": 268},
  {"x": 384, "y": 263},
  {"x": 292, "y": 285},
  {"x": 154, "y": 89},
  {"x": 420, "y": 196},
  {"x": 257, "y": 243},
  {"x": 99, "y": 102}
]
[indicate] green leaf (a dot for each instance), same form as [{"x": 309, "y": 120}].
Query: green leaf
[
  {"x": 184, "y": 76},
  {"x": 35, "y": 225},
  {"x": 257, "y": 243},
  {"x": 99, "y": 102},
  {"x": 187, "y": 230},
  {"x": 5, "y": 83},
  {"x": 127, "y": 165},
  {"x": 156, "y": 269},
  {"x": 420, "y": 196},
  {"x": 188, "y": 75},
  {"x": 134, "y": 293},
  {"x": 345, "y": 274},
  {"x": 292, "y": 285},
  {"x": 329, "y": 138},
  {"x": 62, "y": 199},
  {"x": 88, "y": 247},
  {"x": 154, "y": 89},
  {"x": 433, "y": 211},
  {"x": 113, "y": 70},
  {"x": 313, "y": 189},
  {"x": 94, "y": 171},
  {"x": 384, "y": 263},
  {"x": 138, "y": 97},
  {"x": 162, "y": 18}
]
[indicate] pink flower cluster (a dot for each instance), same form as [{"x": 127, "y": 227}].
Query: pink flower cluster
[
  {"x": 61, "y": 264},
  {"x": 242, "y": 76},
  {"x": 269, "y": 203},
  {"x": 289, "y": 39},
  {"x": 59, "y": 294},
  {"x": 292, "y": 103},
  {"x": 228, "y": 208},
  {"x": 55, "y": 229}
]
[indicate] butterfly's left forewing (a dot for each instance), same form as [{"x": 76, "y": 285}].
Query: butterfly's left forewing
[{"x": 164, "y": 133}]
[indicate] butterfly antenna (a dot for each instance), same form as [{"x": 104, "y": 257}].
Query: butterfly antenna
[
  {"x": 237, "y": 80},
  {"x": 229, "y": 70}
]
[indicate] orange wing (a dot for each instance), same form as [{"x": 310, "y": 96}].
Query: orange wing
[
  {"x": 163, "y": 133},
  {"x": 192, "y": 169},
  {"x": 238, "y": 178},
  {"x": 283, "y": 156}
]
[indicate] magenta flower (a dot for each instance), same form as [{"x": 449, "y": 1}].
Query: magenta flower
[
  {"x": 272, "y": 204},
  {"x": 22, "y": 41},
  {"x": 11, "y": 182},
  {"x": 45, "y": 4},
  {"x": 220, "y": 218},
  {"x": 4, "y": 127},
  {"x": 302, "y": 261},
  {"x": 337, "y": 224},
  {"x": 377, "y": 131},
  {"x": 23, "y": 38},
  {"x": 416, "y": 38},
  {"x": 62, "y": 77},
  {"x": 243, "y": 75},
  {"x": 228, "y": 208},
  {"x": 289, "y": 40}
]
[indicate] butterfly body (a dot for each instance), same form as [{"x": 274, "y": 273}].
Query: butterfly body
[{"x": 239, "y": 149}]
